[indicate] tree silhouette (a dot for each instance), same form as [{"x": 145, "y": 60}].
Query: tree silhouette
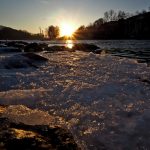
[
  {"x": 81, "y": 28},
  {"x": 106, "y": 16},
  {"x": 99, "y": 22},
  {"x": 110, "y": 15},
  {"x": 121, "y": 15},
  {"x": 117, "y": 25},
  {"x": 53, "y": 32}
]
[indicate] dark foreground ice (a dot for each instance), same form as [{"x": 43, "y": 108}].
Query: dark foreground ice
[{"x": 103, "y": 100}]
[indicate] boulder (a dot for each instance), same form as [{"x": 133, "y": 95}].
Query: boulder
[
  {"x": 43, "y": 46},
  {"x": 18, "y": 44},
  {"x": 56, "y": 48},
  {"x": 33, "y": 47},
  {"x": 85, "y": 47},
  {"x": 9, "y": 50},
  {"x": 3, "y": 45},
  {"x": 34, "y": 57},
  {"x": 21, "y": 61},
  {"x": 20, "y": 136}
]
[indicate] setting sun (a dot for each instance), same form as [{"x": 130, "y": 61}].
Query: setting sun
[{"x": 67, "y": 30}]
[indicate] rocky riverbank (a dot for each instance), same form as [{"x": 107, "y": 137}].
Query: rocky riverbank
[
  {"x": 15, "y": 134},
  {"x": 142, "y": 56},
  {"x": 103, "y": 100}
]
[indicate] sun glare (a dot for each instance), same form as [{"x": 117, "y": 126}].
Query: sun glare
[
  {"x": 66, "y": 30},
  {"x": 69, "y": 44}
]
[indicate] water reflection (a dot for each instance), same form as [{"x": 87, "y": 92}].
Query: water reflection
[{"x": 69, "y": 44}]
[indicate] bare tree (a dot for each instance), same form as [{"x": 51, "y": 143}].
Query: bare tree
[
  {"x": 110, "y": 15},
  {"x": 121, "y": 15},
  {"x": 106, "y": 16}
]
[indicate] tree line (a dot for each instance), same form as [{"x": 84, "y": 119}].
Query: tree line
[
  {"x": 112, "y": 15},
  {"x": 83, "y": 31},
  {"x": 117, "y": 25},
  {"x": 113, "y": 25},
  {"x": 7, "y": 33}
]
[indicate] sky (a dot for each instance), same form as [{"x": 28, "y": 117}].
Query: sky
[{"x": 31, "y": 14}]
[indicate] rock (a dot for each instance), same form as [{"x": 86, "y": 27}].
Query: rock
[
  {"x": 98, "y": 51},
  {"x": 18, "y": 44},
  {"x": 34, "y": 57},
  {"x": 81, "y": 47},
  {"x": 85, "y": 47},
  {"x": 21, "y": 136},
  {"x": 21, "y": 61},
  {"x": 36, "y": 47},
  {"x": 56, "y": 48},
  {"x": 43, "y": 46},
  {"x": 147, "y": 81},
  {"x": 16, "y": 65},
  {"x": 33, "y": 47},
  {"x": 16, "y": 135},
  {"x": 9, "y": 50},
  {"x": 3, "y": 45}
]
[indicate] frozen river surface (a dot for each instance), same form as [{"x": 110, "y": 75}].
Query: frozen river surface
[{"x": 103, "y": 100}]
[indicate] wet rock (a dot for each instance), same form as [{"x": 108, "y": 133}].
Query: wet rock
[
  {"x": 33, "y": 47},
  {"x": 9, "y": 50},
  {"x": 98, "y": 51},
  {"x": 16, "y": 65},
  {"x": 21, "y": 136},
  {"x": 146, "y": 81},
  {"x": 34, "y": 57},
  {"x": 16, "y": 135},
  {"x": 85, "y": 47},
  {"x": 43, "y": 46},
  {"x": 81, "y": 47},
  {"x": 18, "y": 44},
  {"x": 21, "y": 61},
  {"x": 56, "y": 48},
  {"x": 3, "y": 45}
]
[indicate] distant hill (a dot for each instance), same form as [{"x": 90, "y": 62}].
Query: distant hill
[
  {"x": 136, "y": 27},
  {"x": 1, "y": 27},
  {"x": 7, "y": 33}
]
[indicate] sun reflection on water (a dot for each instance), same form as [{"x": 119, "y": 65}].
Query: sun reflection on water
[{"x": 69, "y": 44}]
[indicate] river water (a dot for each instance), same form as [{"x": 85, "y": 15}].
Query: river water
[
  {"x": 103, "y": 100},
  {"x": 137, "y": 49}
]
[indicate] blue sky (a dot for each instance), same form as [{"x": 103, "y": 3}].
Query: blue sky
[{"x": 32, "y": 14}]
